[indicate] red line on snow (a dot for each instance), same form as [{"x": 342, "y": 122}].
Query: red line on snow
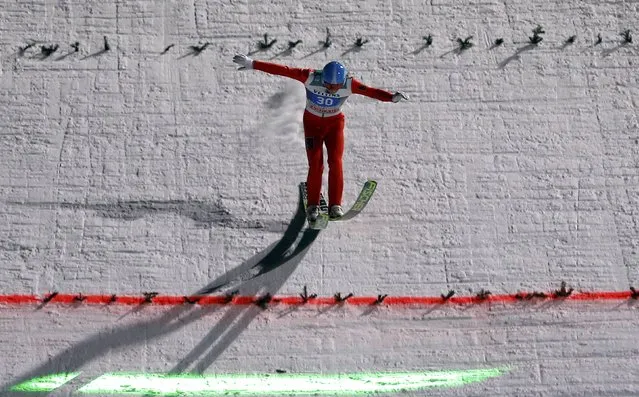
[{"x": 165, "y": 300}]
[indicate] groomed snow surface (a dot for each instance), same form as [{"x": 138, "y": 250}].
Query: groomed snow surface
[{"x": 146, "y": 162}]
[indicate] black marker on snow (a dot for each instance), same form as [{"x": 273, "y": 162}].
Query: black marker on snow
[{"x": 265, "y": 45}]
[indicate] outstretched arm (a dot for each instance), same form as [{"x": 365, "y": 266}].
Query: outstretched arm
[
  {"x": 382, "y": 95},
  {"x": 273, "y": 68},
  {"x": 281, "y": 70}
]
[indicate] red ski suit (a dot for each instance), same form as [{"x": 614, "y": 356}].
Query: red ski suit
[{"x": 323, "y": 125}]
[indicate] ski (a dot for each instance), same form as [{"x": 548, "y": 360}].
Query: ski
[
  {"x": 364, "y": 196},
  {"x": 322, "y": 221}
]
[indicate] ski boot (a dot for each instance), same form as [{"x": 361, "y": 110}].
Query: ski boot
[
  {"x": 312, "y": 212},
  {"x": 335, "y": 212}
]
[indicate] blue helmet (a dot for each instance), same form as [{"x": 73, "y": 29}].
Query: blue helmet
[{"x": 334, "y": 73}]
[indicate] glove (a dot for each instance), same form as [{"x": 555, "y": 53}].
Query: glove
[
  {"x": 398, "y": 96},
  {"x": 244, "y": 61}
]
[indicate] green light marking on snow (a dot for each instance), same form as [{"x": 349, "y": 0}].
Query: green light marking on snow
[
  {"x": 274, "y": 384},
  {"x": 45, "y": 383}
]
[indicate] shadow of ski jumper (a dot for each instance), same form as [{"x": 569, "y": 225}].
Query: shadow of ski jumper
[
  {"x": 259, "y": 277},
  {"x": 257, "y": 274}
]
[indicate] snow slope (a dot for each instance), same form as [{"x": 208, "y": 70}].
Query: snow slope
[{"x": 512, "y": 168}]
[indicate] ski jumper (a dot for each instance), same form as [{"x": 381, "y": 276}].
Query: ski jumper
[{"x": 323, "y": 125}]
